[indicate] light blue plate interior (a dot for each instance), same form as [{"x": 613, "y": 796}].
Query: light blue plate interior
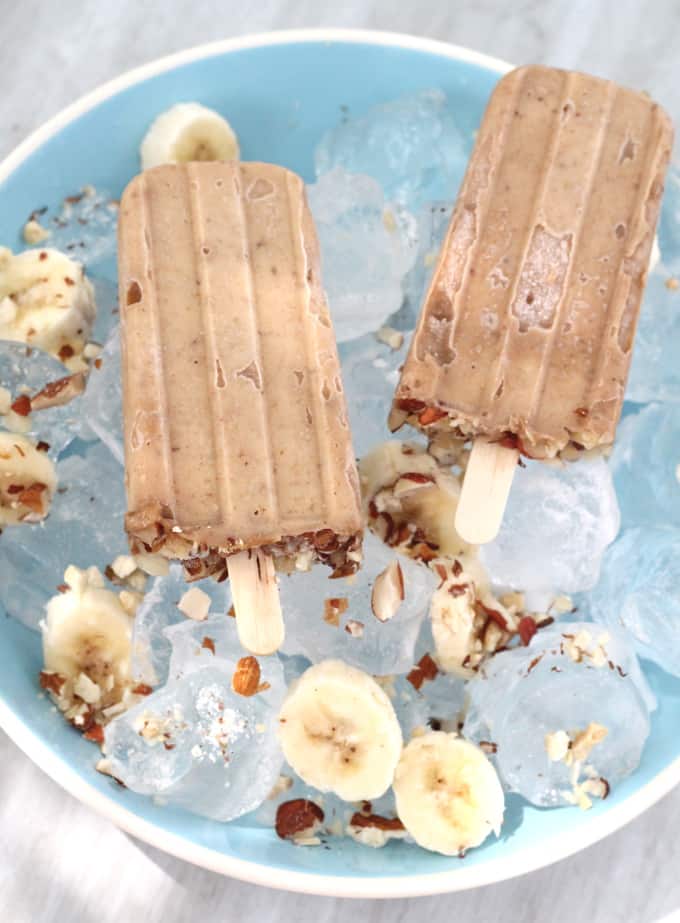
[{"x": 280, "y": 99}]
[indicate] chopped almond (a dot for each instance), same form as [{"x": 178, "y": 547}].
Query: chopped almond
[{"x": 388, "y": 592}]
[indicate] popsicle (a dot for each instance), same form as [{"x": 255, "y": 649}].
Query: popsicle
[
  {"x": 525, "y": 336},
  {"x": 238, "y": 453}
]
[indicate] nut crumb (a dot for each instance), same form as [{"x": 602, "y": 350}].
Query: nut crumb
[
  {"x": 282, "y": 784},
  {"x": 354, "y": 628},
  {"x": 426, "y": 669},
  {"x": 195, "y": 604},
  {"x": 34, "y": 232},
  {"x": 557, "y": 745},
  {"x": 333, "y": 608},
  {"x": 390, "y": 337}
]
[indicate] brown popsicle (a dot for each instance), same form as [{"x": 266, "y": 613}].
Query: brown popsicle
[
  {"x": 524, "y": 340},
  {"x": 237, "y": 444}
]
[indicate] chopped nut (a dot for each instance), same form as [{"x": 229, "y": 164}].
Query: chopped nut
[
  {"x": 390, "y": 337},
  {"x": 246, "y": 678},
  {"x": 208, "y": 644},
  {"x": 583, "y": 742},
  {"x": 562, "y": 604},
  {"x": 373, "y": 830},
  {"x": 53, "y": 682},
  {"x": 354, "y": 628},
  {"x": 87, "y": 690},
  {"x": 298, "y": 817},
  {"x": 557, "y": 745},
  {"x": 526, "y": 629},
  {"x": 282, "y": 784},
  {"x": 34, "y": 232},
  {"x": 426, "y": 669},
  {"x": 333, "y": 609},
  {"x": 22, "y": 405},
  {"x": 195, "y": 604},
  {"x": 95, "y": 732},
  {"x": 672, "y": 284},
  {"x": 388, "y": 592},
  {"x": 431, "y": 415},
  {"x": 60, "y": 392},
  {"x": 488, "y": 747},
  {"x": 123, "y": 566},
  {"x": 155, "y": 565}
]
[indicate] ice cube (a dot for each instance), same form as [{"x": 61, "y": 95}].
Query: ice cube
[
  {"x": 639, "y": 590},
  {"x": 439, "y": 704},
  {"x": 655, "y": 374},
  {"x": 411, "y": 145},
  {"x": 26, "y": 371},
  {"x": 370, "y": 371},
  {"x": 557, "y": 525},
  {"x": 103, "y": 402},
  {"x": 152, "y": 646},
  {"x": 646, "y": 466},
  {"x": 84, "y": 527},
  {"x": 366, "y": 248},
  {"x": 198, "y": 644},
  {"x": 199, "y": 745},
  {"x": 569, "y": 676},
  {"x": 334, "y": 618}
]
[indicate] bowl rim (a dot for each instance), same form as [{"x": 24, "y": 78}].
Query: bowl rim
[{"x": 458, "y": 879}]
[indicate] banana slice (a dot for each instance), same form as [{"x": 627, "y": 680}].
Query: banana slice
[
  {"x": 46, "y": 301},
  {"x": 468, "y": 622},
  {"x": 87, "y": 640},
  {"x": 448, "y": 794},
  {"x": 188, "y": 131},
  {"x": 27, "y": 481},
  {"x": 402, "y": 483},
  {"x": 339, "y": 731}
]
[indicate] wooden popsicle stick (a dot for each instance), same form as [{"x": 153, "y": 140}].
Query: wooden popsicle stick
[
  {"x": 485, "y": 490},
  {"x": 255, "y": 592}
]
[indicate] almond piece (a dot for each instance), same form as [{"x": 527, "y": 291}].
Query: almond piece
[
  {"x": 246, "y": 678},
  {"x": 376, "y": 820},
  {"x": 354, "y": 628},
  {"x": 390, "y": 337},
  {"x": 22, "y": 405},
  {"x": 59, "y": 392},
  {"x": 297, "y": 817},
  {"x": 195, "y": 604},
  {"x": 388, "y": 592},
  {"x": 333, "y": 609}
]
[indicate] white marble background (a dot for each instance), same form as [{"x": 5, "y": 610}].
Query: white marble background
[{"x": 58, "y": 861}]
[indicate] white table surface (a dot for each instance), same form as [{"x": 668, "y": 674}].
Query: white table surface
[{"x": 60, "y": 862}]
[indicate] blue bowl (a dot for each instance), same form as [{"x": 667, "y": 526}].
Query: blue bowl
[{"x": 281, "y": 92}]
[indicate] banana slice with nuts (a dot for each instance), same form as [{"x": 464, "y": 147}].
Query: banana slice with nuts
[
  {"x": 87, "y": 641},
  {"x": 188, "y": 131},
  {"x": 402, "y": 484},
  {"x": 339, "y": 731},
  {"x": 46, "y": 301},
  {"x": 448, "y": 794},
  {"x": 28, "y": 480}
]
